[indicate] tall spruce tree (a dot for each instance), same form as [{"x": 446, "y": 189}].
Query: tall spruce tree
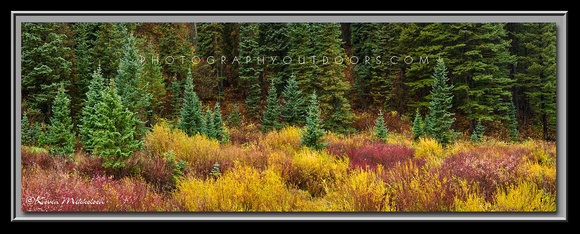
[
  {"x": 250, "y": 72},
  {"x": 292, "y": 111},
  {"x": 114, "y": 135},
  {"x": 90, "y": 116},
  {"x": 191, "y": 113},
  {"x": 46, "y": 63},
  {"x": 61, "y": 137},
  {"x": 131, "y": 86},
  {"x": 270, "y": 120},
  {"x": 331, "y": 84},
  {"x": 312, "y": 135},
  {"x": 440, "y": 119}
]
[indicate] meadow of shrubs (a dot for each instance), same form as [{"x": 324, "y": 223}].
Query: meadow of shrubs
[{"x": 273, "y": 172}]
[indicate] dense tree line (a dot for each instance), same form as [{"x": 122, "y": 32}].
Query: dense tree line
[{"x": 498, "y": 72}]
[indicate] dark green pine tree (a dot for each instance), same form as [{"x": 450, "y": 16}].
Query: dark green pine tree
[
  {"x": 477, "y": 132},
  {"x": 312, "y": 135},
  {"x": 61, "y": 137},
  {"x": 90, "y": 116},
  {"x": 292, "y": 111},
  {"x": 46, "y": 63},
  {"x": 332, "y": 87},
  {"x": 513, "y": 123},
  {"x": 439, "y": 120},
  {"x": 208, "y": 124},
  {"x": 191, "y": 112},
  {"x": 234, "y": 119},
  {"x": 250, "y": 72},
  {"x": 221, "y": 133},
  {"x": 418, "y": 126},
  {"x": 271, "y": 115},
  {"x": 26, "y": 138},
  {"x": 301, "y": 50},
  {"x": 535, "y": 76},
  {"x": 131, "y": 87},
  {"x": 380, "y": 130},
  {"x": 114, "y": 134},
  {"x": 153, "y": 81}
]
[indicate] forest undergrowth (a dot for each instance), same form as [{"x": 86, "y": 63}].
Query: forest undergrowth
[{"x": 273, "y": 172}]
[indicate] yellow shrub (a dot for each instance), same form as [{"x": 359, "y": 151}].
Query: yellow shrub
[
  {"x": 430, "y": 150},
  {"x": 312, "y": 170},
  {"x": 360, "y": 191},
  {"x": 286, "y": 139},
  {"x": 241, "y": 189},
  {"x": 524, "y": 197},
  {"x": 192, "y": 149}
]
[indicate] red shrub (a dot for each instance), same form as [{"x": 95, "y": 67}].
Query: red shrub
[
  {"x": 489, "y": 168},
  {"x": 388, "y": 156}
]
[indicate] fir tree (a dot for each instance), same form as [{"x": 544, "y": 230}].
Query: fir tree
[
  {"x": 131, "y": 86},
  {"x": 191, "y": 113},
  {"x": 45, "y": 65},
  {"x": 418, "y": 126},
  {"x": 26, "y": 138},
  {"x": 270, "y": 120},
  {"x": 513, "y": 123},
  {"x": 312, "y": 135},
  {"x": 477, "y": 132},
  {"x": 439, "y": 118},
  {"x": 331, "y": 85},
  {"x": 89, "y": 117},
  {"x": 61, "y": 137},
  {"x": 380, "y": 129},
  {"x": 221, "y": 133},
  {"x": 208, "y": 124},
  {"x": 292, "y": 111},
  {"x": 250, "y": 73},
  {"x": 234, "y": 119},
  {"x": 114, "y": 136}
]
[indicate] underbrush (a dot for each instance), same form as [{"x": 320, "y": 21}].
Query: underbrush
[{"x": 272, "y": 172}]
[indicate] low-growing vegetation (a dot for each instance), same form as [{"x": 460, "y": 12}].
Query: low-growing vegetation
[{"x": 177, "y": 172}]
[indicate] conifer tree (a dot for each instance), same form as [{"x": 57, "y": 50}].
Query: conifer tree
[
  {"x": 191, "y": 113},
  {"x": 477, "y": 132},
  {"x": 292, "y": 111},
  {"x": 114, "y": 135},
  {"x": 208, "y": 124},
  {"x": 221, "y": 133},
  {"x": 26, "y": 138},
  {"x": 61, "y": 137},
  {"x": 418, "y": 126},
  {"x": 331, "y": 84},
  {"x": 234, "y": 119},
  {"x": 270, "y": 120},
  {"x": 251, "y": 72},
  {"x": 89, "y": 117},
  {"x": 131, "y": 86},
  {"x": 380, "y": 129},
  {"x": 440, "y": 119},
  {"x": 513, "y": 123},
  {"x": 152, "y": 81},
  {"x": 312, "y": 135},
  {"x": 45, "y": 65}
]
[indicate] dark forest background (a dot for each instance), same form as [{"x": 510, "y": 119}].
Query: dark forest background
[{"x": 490, "y": 65}]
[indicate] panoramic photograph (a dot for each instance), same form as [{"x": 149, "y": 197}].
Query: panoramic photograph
[{"x": 288, "y": 117}]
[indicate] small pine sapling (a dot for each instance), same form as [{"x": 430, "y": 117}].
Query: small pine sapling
[
  {"x": 380, "y": 129},
  {"x": 477, "y": 132}
]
